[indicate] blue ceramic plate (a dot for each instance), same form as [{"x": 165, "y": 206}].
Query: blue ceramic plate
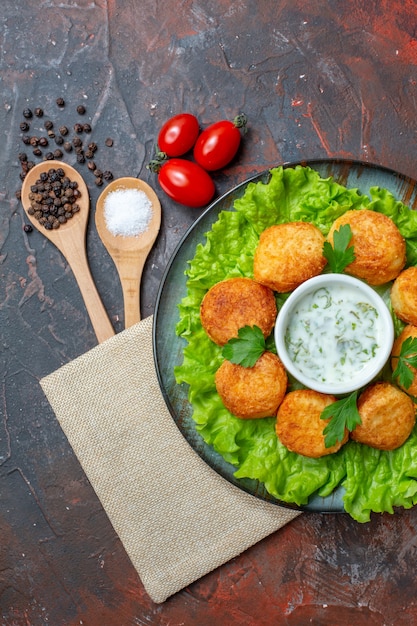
[{"x": 168, "y": 347}]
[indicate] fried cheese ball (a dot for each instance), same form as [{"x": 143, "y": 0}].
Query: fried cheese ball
[
  {"x": 236, "y": 302},
  {"x": 287, "y": 255},
  {"x": 388, "y": 417},
  {"x": 409, "y": 331},
  {"x": 252, "y": 392},
  {"x": 378, "y": 245},
  {"x": 404, "y": 296},
  {"x": 299, "y": 427}
]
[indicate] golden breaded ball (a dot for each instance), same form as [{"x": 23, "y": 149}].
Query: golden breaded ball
[
  {"x": 404, "y": 296},
  {"x": 299, "y": 427},
  {"x": 287, "y": 255},
  {"x": 378, "y": 245},
  {"x": 388, "y": 417},
  {"x": 252, "y": 392},
  {"x": 236, "y": 302},
  {"x": 409, "y": 331}
]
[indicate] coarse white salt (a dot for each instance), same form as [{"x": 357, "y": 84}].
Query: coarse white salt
[{"x": 127, "y": 212}]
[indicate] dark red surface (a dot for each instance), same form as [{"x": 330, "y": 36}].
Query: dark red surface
[{"x": 316, "y": 79}]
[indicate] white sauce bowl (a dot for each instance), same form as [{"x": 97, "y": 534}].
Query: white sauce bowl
[{"x": 334, "y": 334}]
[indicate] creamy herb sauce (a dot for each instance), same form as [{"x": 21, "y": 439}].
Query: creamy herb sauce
[{"x": 333, "y": 334}]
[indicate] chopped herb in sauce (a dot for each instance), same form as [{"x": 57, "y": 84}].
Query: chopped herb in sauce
[{"x": 333, "y": 334}]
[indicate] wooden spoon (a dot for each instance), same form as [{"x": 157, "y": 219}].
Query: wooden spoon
[
  {"x": 70, "y": 239},
  {"x": 129, "y": 253}
]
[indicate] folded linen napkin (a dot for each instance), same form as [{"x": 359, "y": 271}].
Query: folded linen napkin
[{"x": 176, "y": 517}]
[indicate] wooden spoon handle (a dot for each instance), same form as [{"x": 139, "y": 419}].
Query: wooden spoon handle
[
  {"x": 98, "y": 315},
  {"x": 131, "y": 301},
  {"x": 130, "y": 272}
]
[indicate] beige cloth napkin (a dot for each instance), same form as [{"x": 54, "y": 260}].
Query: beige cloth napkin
[{"x": 176, "y": 517}]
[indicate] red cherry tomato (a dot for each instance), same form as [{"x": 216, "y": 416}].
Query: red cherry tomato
[
  {"x": 178, "y": 135},
  {"x": 186, "y": 182},
  {"x": 217, "y": 145}
]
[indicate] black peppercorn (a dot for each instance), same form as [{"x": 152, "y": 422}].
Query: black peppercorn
[
  {"x": 51, "y": 134},
  {"x": 43, "y": 142},
  {"x": 59, "y": 140},
  {"x": 34, "y": 141},
  {"x": 98, "y": 182},
  {"x": 67, "y": 146},
  {"x": 27, "y": 114},
  {"x": 98, "y": 173},
  {"x": 107, "y": 175},
  {"x": 24, "y": 127},
  {"x": 26, "y": 139},
  {"x": 23, "y": 157},
  {"x": 18, "y": 194},
  {"x": 38, "y": 112},
  {"x": 57, "y": 154},
  {"x": 81, "y": 109},
  {"x": 80, "y": 157},
  {"x": 76, "y": 142},
  {"x": 109, "y": 142},
  {"x": 37, "y": 152},
  {"x": 27, "y": 228},
  {"x": 48, "y": 125},
  {"x": 92, "y": 146},
  {"x": 60, "y": 102},
  {"x": 63, "y": 130},
  {"x": 91, "y": 165},
  {"x": 87, "y": 128},
  {"x": 89, "y": 154},
  {"x": 78, "y": 128},
  {"x": 49, "y": 156}
]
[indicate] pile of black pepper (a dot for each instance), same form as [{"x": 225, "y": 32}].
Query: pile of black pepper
[
  {"x": 56, "y": 142},
  {"x": 53, "y": 198}
]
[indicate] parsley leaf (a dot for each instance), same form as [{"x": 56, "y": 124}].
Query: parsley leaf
[
  {"x": 406, "y": 358},
  {"x": 342, "y": 414},
  {"x": 245, "y": 349},
  {"x": 340, "y": 255}
]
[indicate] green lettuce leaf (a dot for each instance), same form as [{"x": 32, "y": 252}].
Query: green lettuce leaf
[
  {"x": 378, "y": 481},
  {"x": 297, "y": 194},
  {"x": 373, "y": 480}
]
